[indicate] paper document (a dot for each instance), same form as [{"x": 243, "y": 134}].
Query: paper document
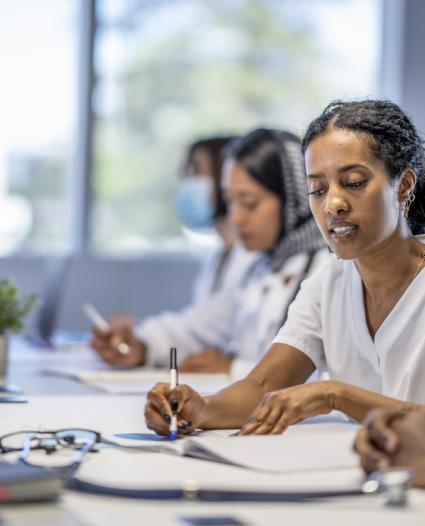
[
  {"x": 301, "y": 447},
  {"x": 139, "y": 380}
]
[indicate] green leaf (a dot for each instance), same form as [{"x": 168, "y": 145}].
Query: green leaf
[{"x": 13, "y": 308}]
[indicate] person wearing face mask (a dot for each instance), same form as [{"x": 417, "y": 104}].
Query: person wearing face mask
[
  {"x": 268, "y": 206},
  {"x": 264, "y": 184},
  {"x": 201, "y": 207}
]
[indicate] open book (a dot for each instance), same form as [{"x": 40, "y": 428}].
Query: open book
[{"x": 302, "y": 447}]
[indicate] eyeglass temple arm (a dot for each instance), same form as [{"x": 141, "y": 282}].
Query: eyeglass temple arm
[{"x": 26, "y": 448}]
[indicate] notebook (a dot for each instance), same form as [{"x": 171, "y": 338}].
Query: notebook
[
  {"x": 19, "y": 482},
  {"x": 329, "y": 448}
]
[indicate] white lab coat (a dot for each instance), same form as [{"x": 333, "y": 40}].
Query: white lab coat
[
  {"x": 241, "y": 319},
  {"x": 327, "y": 322},
  {"x": 232, "y": 270}
]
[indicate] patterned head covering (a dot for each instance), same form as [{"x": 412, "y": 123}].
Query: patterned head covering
[{"x": 273, "y": 158}]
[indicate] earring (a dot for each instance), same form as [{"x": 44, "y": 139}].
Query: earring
[{"x": 407, "y": 204}]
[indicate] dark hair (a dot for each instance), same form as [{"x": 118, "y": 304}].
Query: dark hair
[
  {"x": 260, "y": 154},
  {"x": 214, "y": 147},
  {"x": 392, "y": 138},
  {"x": 273, "y": 158}
]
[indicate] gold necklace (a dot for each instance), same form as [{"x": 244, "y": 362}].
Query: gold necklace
[{"x": 421, "y": 264}]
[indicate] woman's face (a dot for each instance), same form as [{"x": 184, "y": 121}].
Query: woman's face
[
  {"x": 254, "y": 210},
  {"x": 352, "y": 197}
]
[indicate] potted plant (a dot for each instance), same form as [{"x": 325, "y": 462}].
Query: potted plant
[{"x": 13, "y": 310}]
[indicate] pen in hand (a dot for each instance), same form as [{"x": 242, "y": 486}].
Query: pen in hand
[
  {"x": 172, "y": 435},
  {"x": 100, "y": 323}
]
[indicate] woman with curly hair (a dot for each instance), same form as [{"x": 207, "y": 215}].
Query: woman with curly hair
[{"x": 362, "y": 315}]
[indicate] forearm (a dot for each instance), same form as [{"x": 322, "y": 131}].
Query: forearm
[
  {"x": 230, "y": 407},
  {"x": 281, "y": 367},
  {"x": 357, "y": 402}
]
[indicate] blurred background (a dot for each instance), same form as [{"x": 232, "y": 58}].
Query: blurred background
[{"x": 98, "y": 99}]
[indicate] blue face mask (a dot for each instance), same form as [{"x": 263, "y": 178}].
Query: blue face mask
[{"x": 194, "y": 202}]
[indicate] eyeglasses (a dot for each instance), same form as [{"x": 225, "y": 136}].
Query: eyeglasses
[
  {"x": 69, "y": 445},
  {"x": 79, "y": 442}
]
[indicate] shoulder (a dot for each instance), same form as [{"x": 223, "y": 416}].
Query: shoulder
[
  {"x": 297, "y": 263},
  {"x": 328, "y": 273},
  {"x": 324, "y": 265}
]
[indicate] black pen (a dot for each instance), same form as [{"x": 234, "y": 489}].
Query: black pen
[{"x": 172, "y": 435}]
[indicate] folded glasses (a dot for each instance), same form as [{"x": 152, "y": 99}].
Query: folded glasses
[{"x": 65, "y": 447}]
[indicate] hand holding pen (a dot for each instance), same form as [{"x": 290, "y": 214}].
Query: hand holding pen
[
  {"x": 172, "y": 434},
  {"x": 115, "y": 341},
  {"x": 173, "y": 409}
]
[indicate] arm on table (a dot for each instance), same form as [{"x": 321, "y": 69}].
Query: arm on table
[
  {"x": 272, "y": 397},
  {"x": 282, "y": 366}
]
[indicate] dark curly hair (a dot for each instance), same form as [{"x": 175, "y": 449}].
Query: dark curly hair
[{"x": 392, "y": 138}]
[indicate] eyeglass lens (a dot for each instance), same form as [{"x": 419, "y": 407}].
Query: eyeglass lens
[{"x": 74, "y": 438}]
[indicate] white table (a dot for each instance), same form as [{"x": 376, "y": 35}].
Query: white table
[
  {"x": 75, "y": 405},
  {"x": 26, "y": 364},
  {"x": 110, "y": 414}
]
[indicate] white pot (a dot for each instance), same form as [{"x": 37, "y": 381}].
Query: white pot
[{"x": 4, "y": 354}]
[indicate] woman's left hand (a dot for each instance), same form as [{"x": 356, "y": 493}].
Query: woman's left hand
[{"x": 279, "y": 409}]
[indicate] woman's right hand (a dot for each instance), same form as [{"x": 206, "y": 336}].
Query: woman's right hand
[
  {"x": 118, "y": 345},
  {"x": 190, "y": 408}
]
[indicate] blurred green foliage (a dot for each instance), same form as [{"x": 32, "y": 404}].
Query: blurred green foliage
[
  {"x": 192, "y": 69},
  {"x": 13, "y": 308}
]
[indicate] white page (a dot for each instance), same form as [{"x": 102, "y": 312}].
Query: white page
[
  {"x": 138, "y": 380},
  {"x": 301, "y": 447},
  {"x": 141, "y": 381}
]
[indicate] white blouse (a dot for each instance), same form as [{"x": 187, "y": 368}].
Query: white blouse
[
  {"x": 327, "y": 322},
  {"x": 241, "y": 319}
]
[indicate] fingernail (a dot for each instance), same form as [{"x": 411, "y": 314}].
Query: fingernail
[
  {"x": 183, "y": 426},
  {"x": 166, "y": 417}
]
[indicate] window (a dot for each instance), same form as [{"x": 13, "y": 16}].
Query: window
[
  {"x": 169, "y": 71},
  {"x": 37, "y": 108},
  {"x": 166, "y": 72}
]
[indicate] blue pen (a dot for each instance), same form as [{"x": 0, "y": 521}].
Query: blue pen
[{"x": 172, "y": 435}]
